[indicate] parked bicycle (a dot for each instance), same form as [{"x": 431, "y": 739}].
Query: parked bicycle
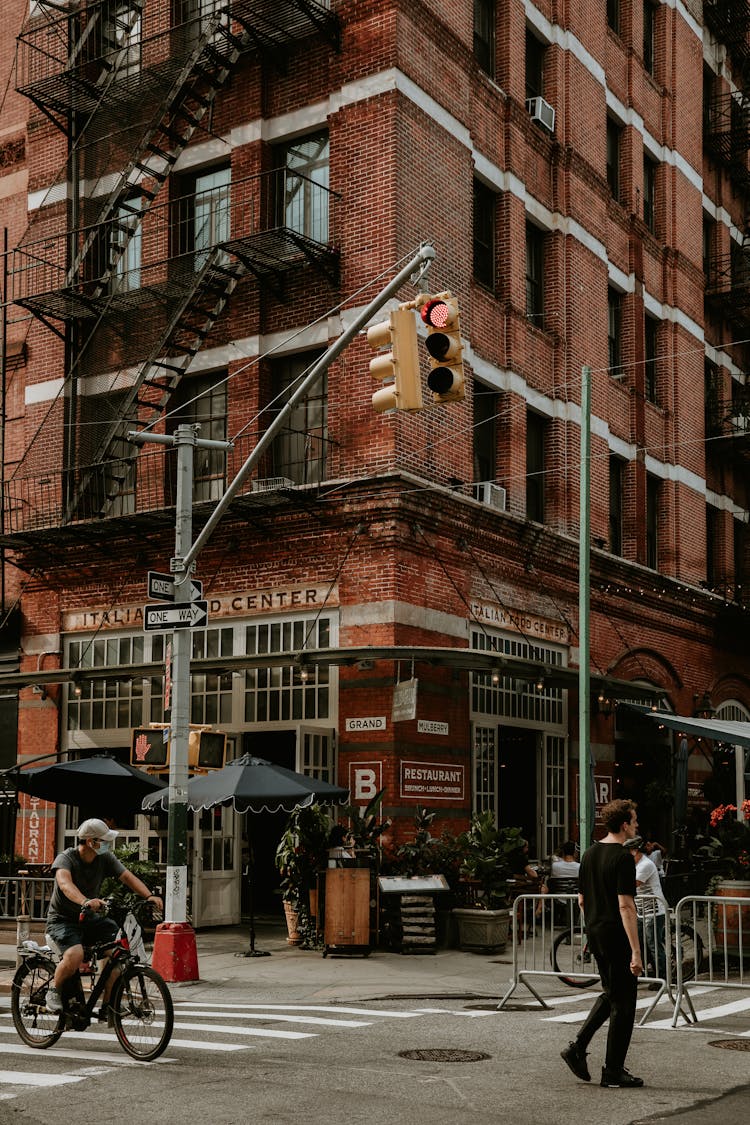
[
  {"x": 570, "y": 954},
  {"x": 140, "y": 1006}
]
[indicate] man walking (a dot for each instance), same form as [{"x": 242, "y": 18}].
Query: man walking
[{"x": 606, "y": 896}]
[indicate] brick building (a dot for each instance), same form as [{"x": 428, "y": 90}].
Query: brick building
[{"x": 198, "y": 196}]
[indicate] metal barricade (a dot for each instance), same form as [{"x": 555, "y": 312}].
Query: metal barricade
[
  {"x": 29, "y": 894},
  {"x": 543, "y": 949},
  {"x": 724, "y": 958}
]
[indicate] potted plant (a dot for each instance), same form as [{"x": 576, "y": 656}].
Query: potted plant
[
  {"x": 730, "y": 848},
  {"x": 366, "y": 829},
  {"x": 486, "y": 867},
  {"x": 300, "y": 855}
]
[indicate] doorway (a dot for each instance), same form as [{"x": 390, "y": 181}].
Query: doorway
[
  {"x": 518, "y": 787},
  {"x": 262, "y": 831}
]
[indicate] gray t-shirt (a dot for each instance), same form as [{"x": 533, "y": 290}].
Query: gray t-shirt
[{"x": 88, "y": 877}]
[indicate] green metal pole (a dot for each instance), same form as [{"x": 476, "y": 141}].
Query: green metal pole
[{"x": 584, "y": 604}]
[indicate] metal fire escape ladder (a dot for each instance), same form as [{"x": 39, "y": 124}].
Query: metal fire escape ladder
[
  {"x": 169, "y": 359},
  {"x": 167, "y": 134}
]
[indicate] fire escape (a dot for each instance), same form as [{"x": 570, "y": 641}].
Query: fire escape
[
  {"x": 128, "y": 272},
  {"x": 727, "y": 139}
]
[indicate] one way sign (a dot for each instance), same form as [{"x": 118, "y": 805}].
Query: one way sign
[
  {"x": 180, "y": 615},
  {"x": 161, "y": 586}
]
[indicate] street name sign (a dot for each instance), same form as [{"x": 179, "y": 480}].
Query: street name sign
[
  {"x": 180, "y": 615},
  {"x": 161, "y": 586}
]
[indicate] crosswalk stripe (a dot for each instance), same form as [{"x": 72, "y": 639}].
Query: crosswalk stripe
[
  {"x": 717, "y": 1012},
  {"x": 232, "y": 1029},
  {"x": 575, "y": 1017},
  {"x": 67, "y": 1053},
  {"x": 278, "y": 1016},
  {"x": 103, "y": 1037},
  {"x": 179, "y": 1004},
  {"x": 24, "y": 1078}
]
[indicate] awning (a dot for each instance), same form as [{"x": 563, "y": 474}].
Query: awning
[{"x": 720, "y": 730}]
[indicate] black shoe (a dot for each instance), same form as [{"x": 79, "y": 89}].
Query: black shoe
[
  {"x": 575, "y": 1058},
  {"x": 617, "y": 1079}
]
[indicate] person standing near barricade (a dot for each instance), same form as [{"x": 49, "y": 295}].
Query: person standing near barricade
[
  {"x": 607, "y": 898},
  {"x": 651, "y": 906}
]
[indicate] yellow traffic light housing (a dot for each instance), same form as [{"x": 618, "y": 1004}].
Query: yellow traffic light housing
[
  {"x": 398, "y": 368},
  {"x": 446, "y": 379}
]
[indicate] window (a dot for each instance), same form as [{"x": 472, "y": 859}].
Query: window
[
  {"x": 616, "y": 475},
  {"x": 740, "y": 555},
  {"x": 712, "y": 403},
  {"x": 125, "y": 248},
  {"x": 303, "y": 192},
  {"x": 650, "y": 353},
  {"x": 203, "y": 400},
  {"x": 707, "y": 248},
  {"x": 485, "y": 433},
  {"x": 121, "y": 38},
  {"x": 613, "y": 15},
  {"x": 614, "y": 309},
  {"x": 653, "y": 489},
  {"x": 649, "y": 35},
  {"x": 649, "y": 193},
  {"x": 712, "y": 526},
  {"x": 536, "y": 428},
  {"x": 299, "y": 451},
  {"x": 201, "y": 216},
  {"x": 484, "y": 234},
  {"x": 190, "y": 18},
  {"x": 614, "y": 143},
  {"x": 535, "y": 52},
  {"x": 535, "y": 275},
  {"x": 484, "y": 35}
]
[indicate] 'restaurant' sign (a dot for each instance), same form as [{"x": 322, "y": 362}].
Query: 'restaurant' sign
[{"x": 433, "y": 781}]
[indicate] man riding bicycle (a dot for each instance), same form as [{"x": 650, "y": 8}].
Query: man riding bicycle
[{"x": 79, "y": 874}]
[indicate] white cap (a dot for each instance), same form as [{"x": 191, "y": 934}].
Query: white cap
[{"x": 95, "y": 830}]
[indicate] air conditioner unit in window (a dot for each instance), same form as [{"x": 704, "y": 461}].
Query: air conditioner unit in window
[
  {"x": 492, "y": 494},
  {"x": 542, "y": 112}
]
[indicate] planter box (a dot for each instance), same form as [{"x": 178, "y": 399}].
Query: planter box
[{"x": 482, "y": 931}]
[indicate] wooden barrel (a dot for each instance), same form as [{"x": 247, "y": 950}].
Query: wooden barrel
[{"x": 728, "y": 917}]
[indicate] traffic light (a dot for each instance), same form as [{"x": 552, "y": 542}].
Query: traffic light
[
  {"x": 446, "y": 379},
  {"x": 206, "y": 749},
  {"x": 398, "y": 368},
  {"x": 149, "y": 748}
]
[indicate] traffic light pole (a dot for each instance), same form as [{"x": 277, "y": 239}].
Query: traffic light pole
[
  {"x": 180, "y": 962},
  {"x": 174, "y": 943}
]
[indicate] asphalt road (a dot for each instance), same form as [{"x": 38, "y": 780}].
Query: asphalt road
[{"x": 329, "y": 1062}]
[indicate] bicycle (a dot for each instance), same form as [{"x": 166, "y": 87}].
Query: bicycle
[
  {"x": 140, "y": 1005},
  {"x": 571, "y": 949}
]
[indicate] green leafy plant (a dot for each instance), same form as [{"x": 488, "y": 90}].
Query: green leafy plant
[
  {"x": 302, "y": 852},
  {"x": 144, "y": 869},
  {"x": 488, "y": 854},
  {"x": 427, "y": 854},
  {"x": 730, "y": 843},
  {"x": 366, "y": 829}
]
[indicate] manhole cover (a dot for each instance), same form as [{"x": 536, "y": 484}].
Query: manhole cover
[
  {"x": 435, "y": 1054},
  {"x": 731, "y": 1044}
]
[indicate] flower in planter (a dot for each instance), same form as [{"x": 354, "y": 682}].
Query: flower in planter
[{"x": 730, "y": 843}]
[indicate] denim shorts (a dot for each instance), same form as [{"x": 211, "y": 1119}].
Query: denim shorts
[{"x": 88, "y": 933}]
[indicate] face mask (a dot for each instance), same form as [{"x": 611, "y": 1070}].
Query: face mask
[{"x": 104, "y": 847}]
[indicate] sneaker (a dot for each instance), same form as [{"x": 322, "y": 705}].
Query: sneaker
[
  {"x": 53, "y": 1003},
  {"x": 575, "y": 1058},
  {"x": 617, "y": 1079}
]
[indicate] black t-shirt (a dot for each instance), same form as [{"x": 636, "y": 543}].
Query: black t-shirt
[
  {"x": 607, "y": 870},
  {"x": 88, "y": 877}
]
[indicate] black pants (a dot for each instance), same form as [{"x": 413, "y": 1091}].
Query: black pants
[{"x": 617, "y": 1001}]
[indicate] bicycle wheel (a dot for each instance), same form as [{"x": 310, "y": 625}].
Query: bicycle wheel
[
  {"x": 28, "y": 995},
  {"x": 691, "y": 949},
  {"x": 143, "y": 1012},
  {"x": 571, "y": 955}
]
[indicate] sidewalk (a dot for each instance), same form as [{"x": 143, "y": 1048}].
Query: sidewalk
[{"x": 307, "y": 975}]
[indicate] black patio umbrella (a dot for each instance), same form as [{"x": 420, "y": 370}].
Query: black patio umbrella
[
  {"x": 101, "y": 781},
  {"x": 251, "y": 784},
  {"x": 254, "y": 785}
]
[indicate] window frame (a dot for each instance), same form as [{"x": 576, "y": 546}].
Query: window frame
[
  {"x": 653, "y": 499},
  {"x": 614, "y": 331},
  {"x": 616, "y": 506},
  {"x": 485, "y": 19},
  {"x": 535, "y": 262},
  {"x": 614, "y": 157},
  {"x": 650, "y": 185},
  {"x": 536, "y": 458},
  {"x": 535, "y": 52},
  {"x": 303, "y": 208},
  {"x": 310, "y": 466},
  {"x": 650, "y": 357},
  {"x": 484, "y": 233}
]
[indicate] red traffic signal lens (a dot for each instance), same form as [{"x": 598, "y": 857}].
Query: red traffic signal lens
[{"x": 437, "y": 314}]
